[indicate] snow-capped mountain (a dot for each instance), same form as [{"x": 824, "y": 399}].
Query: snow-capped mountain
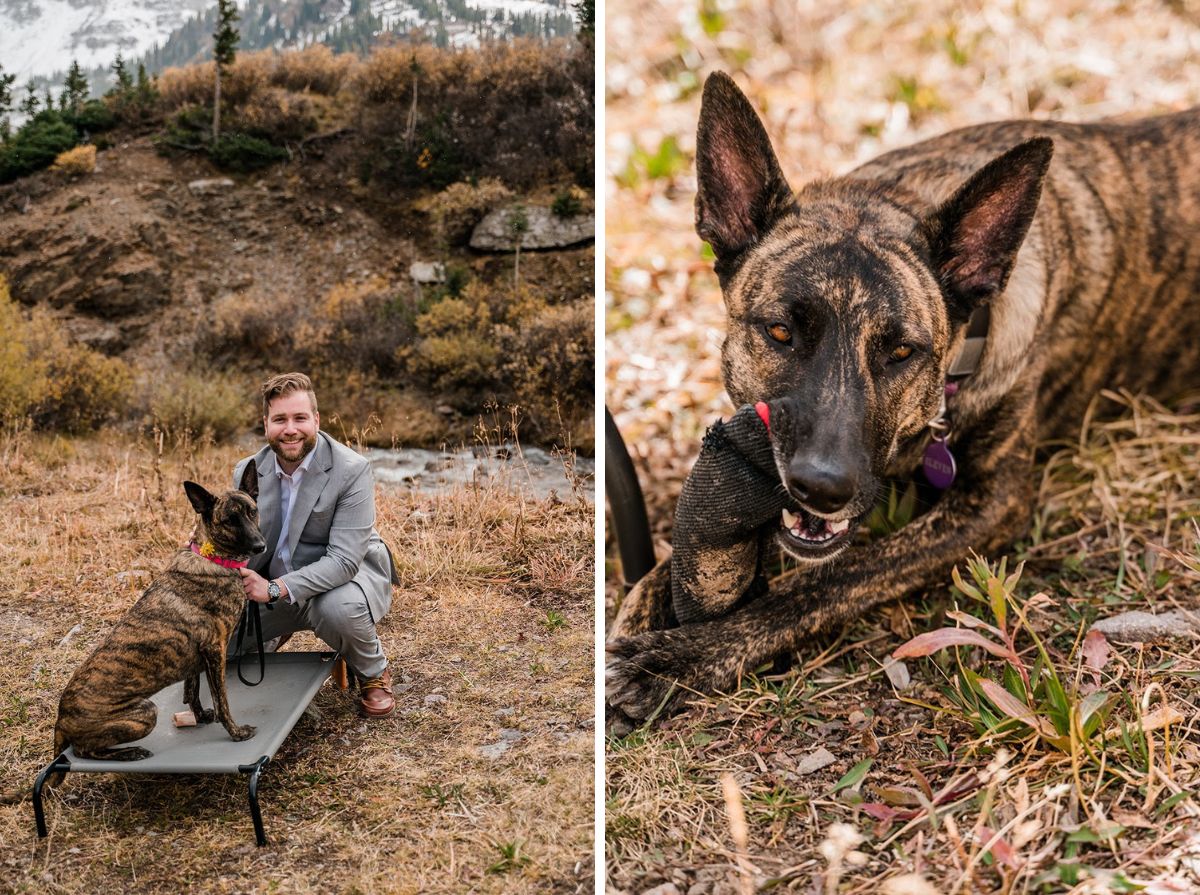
[{"x": 41, "y": 37}]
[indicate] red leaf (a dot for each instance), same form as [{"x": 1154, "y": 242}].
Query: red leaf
[
  {"x": 1002, "y": 851},
  {"x": 1014, "y": 708},
  {"x": 931, "y": 641},
  {"x": 1095, "y": 652},
  {"x": 879, "y": 811}
]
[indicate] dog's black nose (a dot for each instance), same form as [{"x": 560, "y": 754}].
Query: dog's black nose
[{"x": 821, "y": 485}]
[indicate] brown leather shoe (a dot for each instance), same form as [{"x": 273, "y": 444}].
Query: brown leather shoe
[{"x": 375, "y": 696}]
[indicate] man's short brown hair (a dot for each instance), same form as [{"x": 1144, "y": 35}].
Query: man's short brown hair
[{"x": 285, "y": 384}]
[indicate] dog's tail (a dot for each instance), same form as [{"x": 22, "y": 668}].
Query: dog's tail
[{"x": 60, "y": 745}]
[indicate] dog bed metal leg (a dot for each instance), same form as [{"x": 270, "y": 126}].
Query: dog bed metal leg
[
  {"x": 254, "y": 770},
  {"x": 60, "y": 763}
]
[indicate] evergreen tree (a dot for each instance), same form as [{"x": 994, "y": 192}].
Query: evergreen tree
[
  {"x": 29, "y": 105},
  {"x": 6, "y": 99},
  {"x": 225, "y": 40},
  {"x": 586, "y": 11},
  {"x": 76, "y": 88},
  {"x": 124, "y": 79}
]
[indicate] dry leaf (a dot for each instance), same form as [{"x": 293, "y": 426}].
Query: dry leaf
[{"x": 931, "y": 641}]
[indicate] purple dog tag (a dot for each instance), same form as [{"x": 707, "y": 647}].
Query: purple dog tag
[{"x": 938, "y": 464}]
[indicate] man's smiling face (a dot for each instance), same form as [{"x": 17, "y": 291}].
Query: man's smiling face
[{"x": 291, "y": 426}]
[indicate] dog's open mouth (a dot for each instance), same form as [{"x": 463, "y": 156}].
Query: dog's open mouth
[{"x": 809, "y": 536}]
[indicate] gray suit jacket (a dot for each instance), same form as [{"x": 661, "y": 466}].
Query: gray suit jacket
[{"x": 332, "y": 535}]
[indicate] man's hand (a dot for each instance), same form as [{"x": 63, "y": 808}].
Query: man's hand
[
  {"x": 732, "y": 492},
  {"x": 255, "y": 586}
]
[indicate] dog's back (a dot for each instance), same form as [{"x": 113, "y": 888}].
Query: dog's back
[{"x": 1109, "y": 275}]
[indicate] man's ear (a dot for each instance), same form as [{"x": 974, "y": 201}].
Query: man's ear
[
  {"x": 740, "y": 187},
  {"x": 202, "y": 502},
  {"x": 976, "y": 234},
  {"x": 249, "y": 482}
]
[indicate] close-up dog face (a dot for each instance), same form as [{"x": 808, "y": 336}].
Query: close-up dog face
[
  {"x": 230, "y": 521},
  {"x": 843, "y": 304}
]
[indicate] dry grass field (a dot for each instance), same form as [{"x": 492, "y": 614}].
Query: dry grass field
[
  {"x": 852, "y": 772},
  {"x": 490, "y": 642}
]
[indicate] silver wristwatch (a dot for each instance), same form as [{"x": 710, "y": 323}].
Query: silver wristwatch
[{"x": 273, "y": 592}]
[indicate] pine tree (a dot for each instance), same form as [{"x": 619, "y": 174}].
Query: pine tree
[
  {"x": 6, "y": 99},
  {"x": 124, "y": 79},
  {"x": 29, "y": 105},
  {"x": 76, "y": 88},
  {"x": 586, "y": 11},
  {"x": 225, "y": 40}
]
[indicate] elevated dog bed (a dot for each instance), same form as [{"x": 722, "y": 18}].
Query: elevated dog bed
[{"x": 289, "y": 684}]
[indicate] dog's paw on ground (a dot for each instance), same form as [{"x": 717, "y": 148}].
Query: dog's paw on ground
[{"x": 645, "y": 676}]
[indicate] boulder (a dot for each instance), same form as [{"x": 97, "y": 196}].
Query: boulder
[
  {"x": 545, "y": 230},
  {"x": 424, "y": 272}
]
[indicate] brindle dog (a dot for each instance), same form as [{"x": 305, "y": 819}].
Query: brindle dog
[
  {"x": 849, "y": 302},
  {"x": 178, "y": 627}
]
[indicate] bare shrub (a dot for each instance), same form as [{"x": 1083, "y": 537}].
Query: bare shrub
[
  {"x": 192, "y": 407},
  {"x": 315, "y": 68},
  {"x": 455, "y": 349},
  {"x": 276, "y": 115},
  {"x": 76, "y": 162},
  {"x": 459, "y": 207}
]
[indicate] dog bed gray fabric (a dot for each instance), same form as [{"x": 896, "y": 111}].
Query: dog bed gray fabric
[{"x": 289, "y": 684}]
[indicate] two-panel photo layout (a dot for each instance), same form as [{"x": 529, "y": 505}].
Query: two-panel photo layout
[{"x": 670, "y": 448}]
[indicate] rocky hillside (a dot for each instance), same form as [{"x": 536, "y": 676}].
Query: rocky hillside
[{"x": 178, "y": 268}]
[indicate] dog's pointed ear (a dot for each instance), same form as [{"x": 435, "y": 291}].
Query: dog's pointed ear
[
  {"x": 202, "y": 502},
  {"x": 976, "y": 234},
  {"x": 740, "y": 187},
  {"x": 249, "y": 482}
]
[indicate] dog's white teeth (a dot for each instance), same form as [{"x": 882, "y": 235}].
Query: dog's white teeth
[
  {"x": 789, "y": 520},
  {"x": 838, "y": 527}
]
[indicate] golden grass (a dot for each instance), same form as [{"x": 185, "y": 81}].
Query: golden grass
[
  {"x": 404, "y": 805},
  {"x": 1011, "y": 813}
]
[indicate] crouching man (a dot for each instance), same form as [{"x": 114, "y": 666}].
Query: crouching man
[{"x": 325, "y": 568}]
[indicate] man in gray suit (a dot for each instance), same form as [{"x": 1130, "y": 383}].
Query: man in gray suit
[{"x": 326, "y": 568}]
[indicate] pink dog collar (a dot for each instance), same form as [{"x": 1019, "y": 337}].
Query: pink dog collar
[
  {"x": 207, "y": 552},
  {"x": 764, "y": 414}
]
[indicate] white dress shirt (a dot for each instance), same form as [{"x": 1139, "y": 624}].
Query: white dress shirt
[{"x": 281, "y": 562}]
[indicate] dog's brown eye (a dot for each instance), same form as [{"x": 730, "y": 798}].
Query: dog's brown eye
[
  {"x": 904, "y": 352},
  {"x": 779, "y": 333}
]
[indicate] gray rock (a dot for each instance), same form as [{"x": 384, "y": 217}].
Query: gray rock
[
  {"x": 664, "y": 889},
  {"x": 546, "y": 230},
  {"x": 427, "y": 272},
  {"x": 492, "y": 751},
  {"x": 1141, "y": 627},
  {"x": 210, "y": 185},
  {"x": 815, "y": 760},
  {"x": 435, "y": 699}
]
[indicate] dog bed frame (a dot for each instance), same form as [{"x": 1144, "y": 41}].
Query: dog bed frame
[{"x": 290, "y": 682}]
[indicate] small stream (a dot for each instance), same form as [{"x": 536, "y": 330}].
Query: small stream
[{"x": 527, "y": 470}]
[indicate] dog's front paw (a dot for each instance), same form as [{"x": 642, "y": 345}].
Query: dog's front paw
[
  {"x": 239, "y": 732},
  {"x": 648, "y": 675},
  {"x": 205, "y": 716}
]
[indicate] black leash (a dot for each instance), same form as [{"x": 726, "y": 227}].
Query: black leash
[{"x": 251, "y": 619}]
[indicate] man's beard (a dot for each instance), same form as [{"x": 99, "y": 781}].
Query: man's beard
[{"x": 305, "y": 447}]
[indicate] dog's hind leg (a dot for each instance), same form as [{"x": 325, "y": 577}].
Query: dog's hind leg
[
  {"x": 191, "y": 698},
  {"x": 214, "y": 667},
  {"x": 98, "y": 742}
]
